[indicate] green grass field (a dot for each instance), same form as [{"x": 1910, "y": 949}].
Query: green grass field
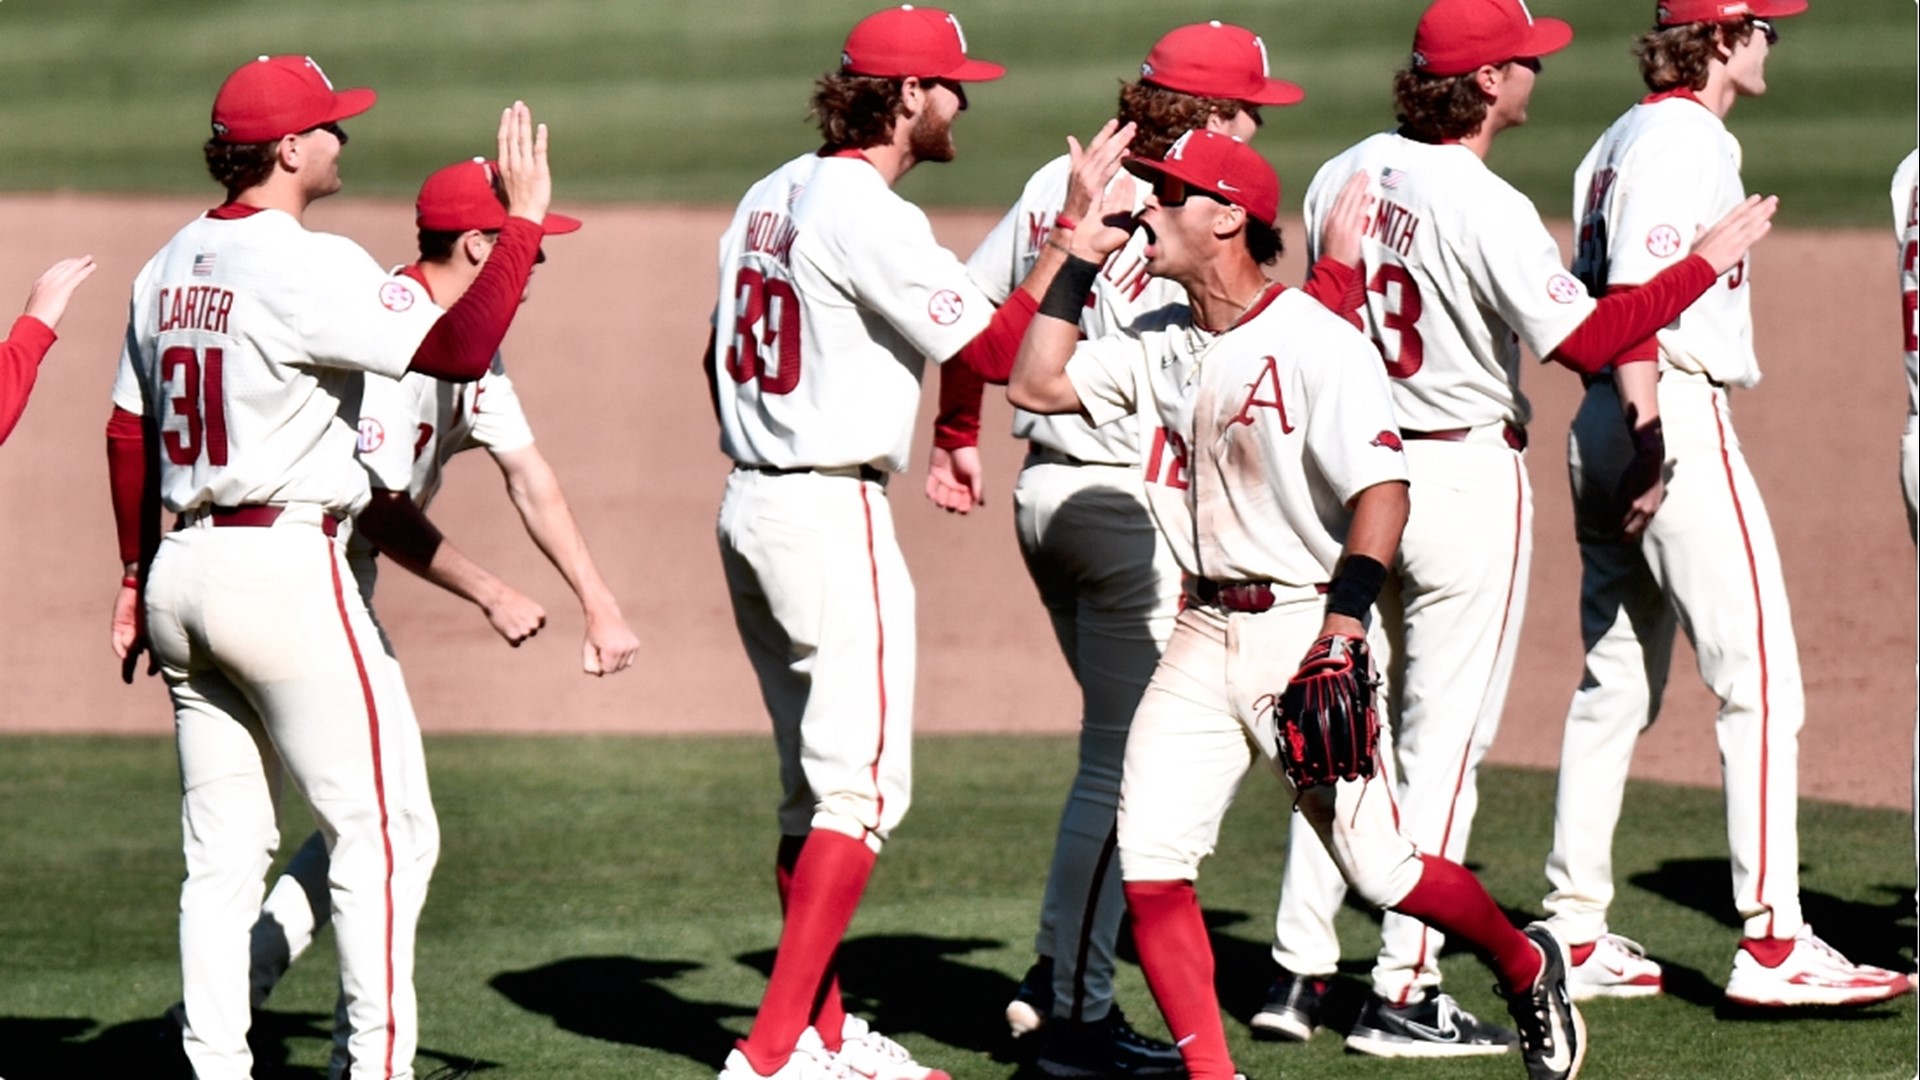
[
  {"x": 604, "y": 907},
  {"x": 690, "y": 103}
]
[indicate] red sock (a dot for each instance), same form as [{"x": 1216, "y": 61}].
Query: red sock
[
  {"x": 828, "y": 878},
  {"x": 1177, "y": 960},
  {"x": 829, "y": 1015},
  {"x": 1451, "y": 900}
]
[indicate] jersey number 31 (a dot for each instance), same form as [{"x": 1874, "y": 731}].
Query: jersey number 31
[
  {"x": 199, "y": 400},
  {"x": 772, "y": 355}
]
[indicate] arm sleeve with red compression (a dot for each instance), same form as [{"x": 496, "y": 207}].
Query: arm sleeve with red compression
[
  {"x": 1340, "y": 288},
  {"x": 462, "y": 343},
  {"x": 1626, "y": 320},
  {"x": 988, "y": 358},
  {"x": 134, "y": 488},
  {"x": 20, "y": 357}
]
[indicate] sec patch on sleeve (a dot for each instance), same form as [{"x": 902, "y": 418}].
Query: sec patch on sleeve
[
  {"x": 1563, "y": 289},
  {"x": 372, "y": 435},
  {"x": 1663, "y": 241},
  {"x": 945, "y": 307},
  {"x": 395, "y": 296}
]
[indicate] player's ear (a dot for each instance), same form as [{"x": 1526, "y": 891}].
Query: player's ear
[
  {"x": 475, "y": 245},
  {"x": 913, "y": 96},
  {"x": 287, "y": 152},
  {"x": 1488, "y": 80}
]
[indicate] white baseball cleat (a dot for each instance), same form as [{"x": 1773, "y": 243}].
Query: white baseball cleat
[
  {"x": 1617, "y": 967},
  {"x": 810, "y": 1061},
  {"x": 865, "y": 1054},
  {"x": 1814, "y": 973}
]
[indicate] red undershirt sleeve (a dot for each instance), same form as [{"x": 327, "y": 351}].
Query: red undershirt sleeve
[
  {"x": 1626, "y": 320},
  {"x": 20, "y": 357},
  {"x": 957, "y": 424},
  {"x": 1340, "y": 288},
  {"x": 988, "y": 358},
  {"x": 462, "y": 343},
  {"x": 134, "y": 488}
]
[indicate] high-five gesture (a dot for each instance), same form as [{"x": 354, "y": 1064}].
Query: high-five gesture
[{"x": 523, "y": 163}]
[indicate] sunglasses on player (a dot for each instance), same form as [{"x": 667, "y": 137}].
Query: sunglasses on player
[
  {"x": 330, "y": 128},
  {"x": 1170, "y": 192},
  {"x": 1765, "y": 26}
]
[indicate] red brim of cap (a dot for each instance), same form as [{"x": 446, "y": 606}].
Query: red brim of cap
[
  {"x": 1548, "y": 36},
  {"x": 974, "y": 71},
  {"x": 349, "y": 103},
  {"x": 1277, "y": 92},
  {"x": 1777, "y": 9},
  {"x": 558, "y": 224}
]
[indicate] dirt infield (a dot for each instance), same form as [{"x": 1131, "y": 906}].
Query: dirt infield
[{"x": 607, "y": 361}]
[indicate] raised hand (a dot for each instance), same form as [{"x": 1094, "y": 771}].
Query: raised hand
[
  {"x": 1346, "y": 222},
  {"x": 1726, "y": 242},
  {"x": 1092, "y": 166},
  {"x": 48, "y": 300},
  {"x": 523, "y": 163}
]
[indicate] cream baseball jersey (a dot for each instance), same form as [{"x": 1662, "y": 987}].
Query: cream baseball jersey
[
  {"x": 1288, "y": 418},
  {"x": 833, "y": 294},
  {"x": 1667, "y": 168},
  {"x": 1906, "y": 226},
  {"x": 252, "y": 372},
  {"x": 1459, "y": 270},
  {"x": 1122, "y": 293}
]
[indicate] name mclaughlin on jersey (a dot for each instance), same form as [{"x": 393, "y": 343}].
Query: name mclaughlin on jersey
[{"x": 196, "y": 307}]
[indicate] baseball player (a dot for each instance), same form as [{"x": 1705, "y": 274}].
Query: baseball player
[
  {"x": 242, "y": 365},
  {"x": 409, "y": 429},
  {"x": 1459, "y": 270},
  {"x": 833, "y": 294},
  {"x": 1906, "y": 226},
  {"x": 1109, "y": 582},
  {"x": 1296, "y": 499},
  {"x": 32, "y": 335},
  {"x": 1706, "y": 561}
]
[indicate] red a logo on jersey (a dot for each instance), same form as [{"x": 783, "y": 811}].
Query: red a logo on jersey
[{"x": 1269, "y": 380}]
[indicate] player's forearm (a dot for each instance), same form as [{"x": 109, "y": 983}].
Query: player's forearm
[
  {"x": 962, "y": 393},
  {"x": 542, "y": 504},
  {"x": 991, "y": 353},
  {"x": 403, "y": 533},
  {"x": 1039, "y": 383},
  {"x": 20, "y": 357},
  {"x": 134, "y": 489},
  {"x": 462, "y": 342},
  {"x": 1638, "y": 385},
  {"x": 1625, "y": 317},
  {"x": 1379, "y": 517}
]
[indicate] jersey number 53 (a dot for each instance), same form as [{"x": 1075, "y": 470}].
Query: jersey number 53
[{"x": 765, "y": 342}]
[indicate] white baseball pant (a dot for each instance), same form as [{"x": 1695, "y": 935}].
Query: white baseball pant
[
  {"x": 1448, "y": 632},
  {"x": 1708, "y": 565}
]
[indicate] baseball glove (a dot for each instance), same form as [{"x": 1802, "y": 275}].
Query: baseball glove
[{"x": 1325, "y": 720}]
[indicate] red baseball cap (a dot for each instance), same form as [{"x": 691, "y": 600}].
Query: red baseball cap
[
  {"x": 1220, "y": 164},
  {"x": 1458, "y": 36},
  {"x": 923, "y": 42},
  {"x": 280, "y": 95},
  {"x": 461, "y": 197},
  {"x": 1212, "y": 59},
  {"x": 1681, "y": 12}
]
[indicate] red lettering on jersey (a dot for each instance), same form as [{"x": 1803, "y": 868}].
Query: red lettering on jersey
[
  {"x": 1130, "y": 281},
  {"x": 478, "y": 389},
  {"x": 1909, "y": 301},
  {"x": 771, "y": 233},
  {"x": 1738, "y": 275},
  {"x": 420, "y": 440},
  {"x": 1174, "y": 473},
  {"x": 1269, "y": 377},
  {"x": 1393, "y": 225},
  {"x": 1039, "y": 224},
  {"x": 196, "y": 307}
]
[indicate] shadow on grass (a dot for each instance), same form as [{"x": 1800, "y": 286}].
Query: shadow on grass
[{"x": 619, "y": 999}]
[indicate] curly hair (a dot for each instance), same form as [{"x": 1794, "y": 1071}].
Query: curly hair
[
  {"x": 855, "y": 112},
  {"x": 1162, "y": 116},
  {"x": 1436, "y": 107},
  {"x": 239, "y": 166},
  {"x": 1264, "y": 242},
  {"x": 1677, "y": 57}
]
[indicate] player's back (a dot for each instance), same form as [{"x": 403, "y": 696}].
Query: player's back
[
  {"x": 1459, "y": 268},
  {"x": 245, "y": 334},
  {"x": 1906, "y": 226}
]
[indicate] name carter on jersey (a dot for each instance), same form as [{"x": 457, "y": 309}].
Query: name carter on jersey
[{"x": 196, "y": 307}]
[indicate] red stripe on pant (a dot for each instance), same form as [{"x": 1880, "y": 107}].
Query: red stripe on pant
[
  {"x": 880, "y": 655},
  {"x": 379, "y": 787},
  {"x": 1760, "y": 629}
]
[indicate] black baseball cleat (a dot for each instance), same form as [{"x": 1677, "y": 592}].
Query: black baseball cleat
[
  {"x": 1292, "y": 1009},
  {"x": 1432, "y": 1027},
  {"x": 1553, "y": 1038},
  {"x": 1105, "y": 1048},
  {"x": 1033, "y": 1002}
]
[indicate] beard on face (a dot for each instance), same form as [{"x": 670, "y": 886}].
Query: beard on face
[{"x": 931, "y": 138}]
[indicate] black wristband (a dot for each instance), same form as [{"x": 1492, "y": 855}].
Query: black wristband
[
  {"x": 1356, "y": 587},
  {"x": 1067, "y": 294}
]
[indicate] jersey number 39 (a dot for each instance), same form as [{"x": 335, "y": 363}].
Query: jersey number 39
[{"x": 772, "y": 355}]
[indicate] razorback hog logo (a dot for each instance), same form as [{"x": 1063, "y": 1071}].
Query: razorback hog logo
[
  {"x": 395, "y": 296},
  {"x": 1663, "y": 241},
  {"x": 945, "y": 307},
  {"x": 1388, "y": 439},
  {"x": 372, "y": 435}
]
